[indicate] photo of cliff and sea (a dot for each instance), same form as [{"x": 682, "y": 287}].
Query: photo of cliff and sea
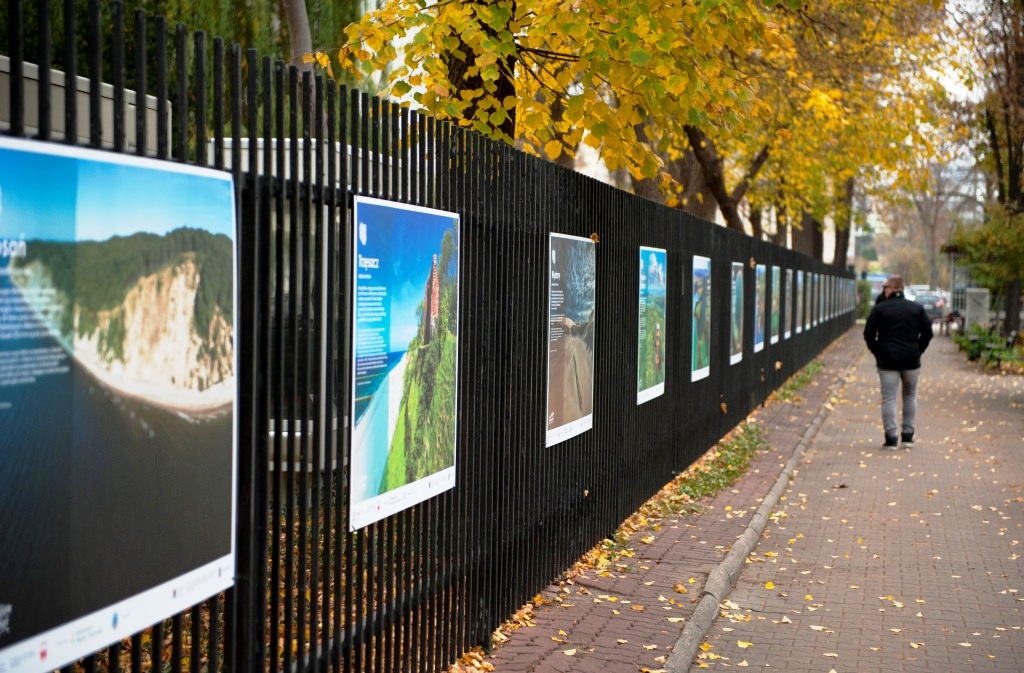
[{"x": 117, "y": 381}]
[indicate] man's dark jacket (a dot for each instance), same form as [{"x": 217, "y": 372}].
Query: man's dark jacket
[{"x": 897, "y": 332}]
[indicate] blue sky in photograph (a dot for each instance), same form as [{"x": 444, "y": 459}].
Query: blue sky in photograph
[
  {"x": 41, "y": 194},
  {"x": 654, "y": 262},
  {"x": 413, "y": 237},
  {"x": 121, "y": 200},
  {"x": 37, "y": 195}
]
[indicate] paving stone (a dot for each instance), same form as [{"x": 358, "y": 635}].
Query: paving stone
[{"x": 885, "y": 550}]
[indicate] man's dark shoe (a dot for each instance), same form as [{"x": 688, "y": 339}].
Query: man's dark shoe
[
  {"x": 891, "y": 444},
  {"x": 908, "y": 440}
]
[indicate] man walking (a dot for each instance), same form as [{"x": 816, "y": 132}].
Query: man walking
[{"x": 897, "y": 333}]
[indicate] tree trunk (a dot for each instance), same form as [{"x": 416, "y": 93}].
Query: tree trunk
[
  {"x": 807, "y": 238},
  {"x": 714, "y": 175},
  {"x": 1012, "y": 322},
  {"x": 756, "y": 217},
  {"x": 300, "y": 40},
  {"x": 843, "y": 229}
]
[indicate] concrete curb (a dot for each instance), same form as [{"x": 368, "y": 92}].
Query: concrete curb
[{"x": 723, "y": 577}]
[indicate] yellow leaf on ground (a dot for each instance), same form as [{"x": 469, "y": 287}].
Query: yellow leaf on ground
[
  {"x": 833, "y": 655},
  {"x": 705, "y": 646},
  {"x": 769, "y": 585},
  {"x": 569, "y": 653},
  {"x": 743, "y": 644}
]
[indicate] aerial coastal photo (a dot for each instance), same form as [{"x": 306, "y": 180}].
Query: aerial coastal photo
[
  {"x": 405, "y": 356},
  {"x": 117, "y": 379}
]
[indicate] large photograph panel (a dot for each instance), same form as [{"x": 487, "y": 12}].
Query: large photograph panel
[
  {"x": 700, "y": 348},
  {"x": 760, "y": 302},
  {"x": 736, "y": 315},
  {"x": 776, "y": 323},
  {"x": 650, "y": 377},
  {"x": 572, "y": 299},
  {"x": 117, "y": 396},
  {"x": 405, "y": 368}
]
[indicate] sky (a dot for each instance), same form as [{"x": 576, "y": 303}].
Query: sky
[
  {"x": 405, "y": 241},
  {"x": 93, "y": 195}
]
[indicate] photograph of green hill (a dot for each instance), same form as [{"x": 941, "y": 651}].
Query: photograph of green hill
[
  {"x": 155, "y": 308},
  {"x": 424, "y": 439},
  {"x": 651, "y": 333}
]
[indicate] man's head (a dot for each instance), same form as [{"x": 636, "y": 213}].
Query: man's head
[{"x": 894, "y": 284}]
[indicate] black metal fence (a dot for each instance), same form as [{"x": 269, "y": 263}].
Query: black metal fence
[{"x": 414, "y": 591}]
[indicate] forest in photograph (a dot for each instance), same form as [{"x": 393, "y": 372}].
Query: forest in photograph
[{"x": 424, "y": 438}]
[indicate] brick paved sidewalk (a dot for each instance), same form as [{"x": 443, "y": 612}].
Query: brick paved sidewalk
[
  {"x": 893, "y": 561},
  {"x": 631, "y": 620}
]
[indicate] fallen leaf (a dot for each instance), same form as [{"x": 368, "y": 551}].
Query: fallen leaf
[
  {"x": 675, "y": 620},
  {"x": 568, "y": 653},
  {"x": 622, "y": 641},
  {"x": 743, "y": 644},
  {"x": 769, "y": 585},
  {"x": 831, "y": 655},
  {"x": 743, "y": 663},
  {"x": 650, "y": 647},
  {"x": 705, "y": 646},
  {"x": 916, "y": 645},
  {"x": 817, "y": 628},
  {"x": 964, "y": 644},
  {"x": 786, "y": 620},
  {"x": 647, "y": 540},
  {"x": 638, "y": 608}
]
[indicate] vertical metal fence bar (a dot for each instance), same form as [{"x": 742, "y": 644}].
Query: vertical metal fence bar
[
  {"x": 70, "y": 74},
  {"x": 317, "y": 549},
  {"x": 213, "y": 649},
  {"x": 176, "y": 643},
  {"x": 195, "y": 658},
  {"x": 117, "y": 47},
  {"x": 136, "y": 653},
  {"x": 291, "y": 373},
  {"x": 306, "y": 472},
  {"x": 95, "y": 54},
  {"x": 406, "y": 528},
  {"x": 44, "y": 60},
  {"x": 156, "y": 645},
  {"x": 140, "y": 81},
  {"x": 199, "y": 68},
  {"x": 162, "y": 131},
  {"x": 218, "y": 103},
  {"x": 352, "y": 660},
  {"x": 337, "y": 177},
  {"x": 15, "y": 30},
  {"x": 238, "y": 622},
  {"x": 386, "y": 648},
  {"x": 114, "y": 658},
  {"x": 279, "y": 644},
  {"x": 253, "y": 501},
  {"x": 265, "y": 411},
  {"x": 181, "y": 94},
  {"x": 363, "y": 548}
]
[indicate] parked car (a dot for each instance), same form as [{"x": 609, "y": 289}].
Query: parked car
[{"x": 933, "y": 303}]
